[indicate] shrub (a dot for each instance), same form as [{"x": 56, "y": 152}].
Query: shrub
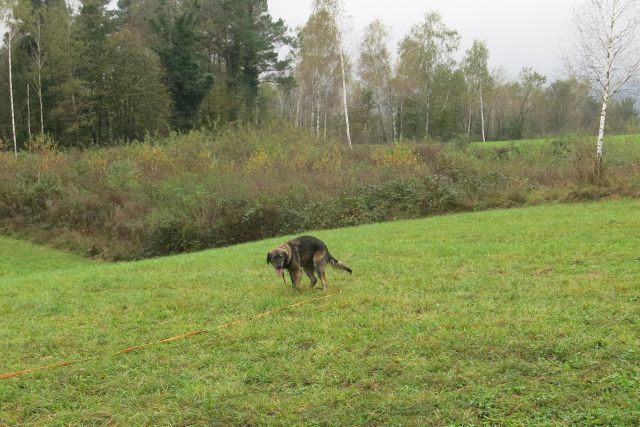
[
  {"x": 397, "y": 156},
  {"x": 200, "y": 190}
]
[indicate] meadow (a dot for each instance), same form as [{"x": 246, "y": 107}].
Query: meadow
[{"x": 525, "y": 316}]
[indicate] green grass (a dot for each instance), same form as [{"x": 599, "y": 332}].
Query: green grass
[
  {"x": 543, "y": 142},
  {"x": 19, "y": 258},
  {"x": 519, "y": 317}
]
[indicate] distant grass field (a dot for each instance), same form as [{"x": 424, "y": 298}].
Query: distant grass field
[
  {"x": 518, "y": 317},
  {"x": 542, "y": 142}
]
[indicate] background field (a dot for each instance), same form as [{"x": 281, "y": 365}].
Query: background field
[{"x": 526, "y": 316}]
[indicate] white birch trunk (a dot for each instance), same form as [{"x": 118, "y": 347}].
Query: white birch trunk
[
  {"x": 13, "y": 116},
  {"x": 382, "y": 126},
  {"x": 401, "y": 121},
  {"x": 482, "y": 115},
  {"x": 28, "y": 113},
  {"x": 40, "y": 100},
  {"x": 38, "y": 61},
  {"x": 318, "y": 113},
  {"x": 605, "y": 102},
  {"x": 393, "y": 124},
  {"x": 298, "y": 111},
  {"x": 600, "y": 141},
  {"x": 326, "y": 108},
  {"x": 344, "y": 96},
  {"x": 428, "y": 120}
]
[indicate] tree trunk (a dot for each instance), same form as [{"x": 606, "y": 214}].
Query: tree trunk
[
  {"x": 382, "y": 126},
  {"x": 401, "y": 115},
  {"x": 428, "y": 120},
  {"x": 326, "y": 108},
  {"x": 344, "y": 96},
  {"x": 40, "y": 100},
  {"x": 13, "y": 116},
  {"x": 484, "y": 139},
  {"x": 28, "y": 114},
  {"x": 38, "y": 61},
  {"x": 298, "y": 111},
  {"x": 394, "y": 132},
  {"x": 318, "y": 113},
  {"x": 600, "y": 141}
]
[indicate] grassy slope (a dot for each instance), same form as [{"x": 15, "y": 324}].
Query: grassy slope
[
  {"x": 19, "y": 258},
  {"x": 505, "y": 317}
]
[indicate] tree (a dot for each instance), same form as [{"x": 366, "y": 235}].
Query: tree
[
  {"x": 92, "y": 29},
  {"x": 529, "y": 86},
  {"x": 375, "y": 69},
  {"x": 425, "y": 54},
  {"x": 247, "y": 38},
  {"x": 569, "y": 106},
  {"x": 317, "y": 69},
  {"x": 335, "y": 11},
  {"x": 9, "y": 20},
  {"x": 182, "y": 52},
  {"x": 137, "y": 101},
  {"x": 476, "y": 71},
  {"x": 138, "y": 16},
  {"x": 65, "y": 95},
  {"x": 35, "y": 46},
  {"x": 606, "y": 53}
]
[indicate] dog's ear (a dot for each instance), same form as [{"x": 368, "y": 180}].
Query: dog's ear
[{"x": 268, "y": 258}]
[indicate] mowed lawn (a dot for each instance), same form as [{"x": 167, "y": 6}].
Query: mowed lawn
[{"x": 517, "y": 317}]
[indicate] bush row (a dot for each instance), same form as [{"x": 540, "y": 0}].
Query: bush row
[{"x": 201, "y": 190}]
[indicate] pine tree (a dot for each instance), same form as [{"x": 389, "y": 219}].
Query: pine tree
[
  {"x": 92, "y": 28},
  {"x": 181, "y": 50}
]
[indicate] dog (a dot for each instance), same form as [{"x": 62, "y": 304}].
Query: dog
[{"x": 304, "y": 253}]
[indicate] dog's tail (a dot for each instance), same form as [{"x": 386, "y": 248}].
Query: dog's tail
[{"x": 339, "y": 264}]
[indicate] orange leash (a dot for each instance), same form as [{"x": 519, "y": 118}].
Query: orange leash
[{"x": 165, "y": 340}]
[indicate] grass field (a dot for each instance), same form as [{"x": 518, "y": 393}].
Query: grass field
[
  {"x": 23, "y": 258},
  {"x": 518, "y": 317},
  {"x": 543, "y": 142}
]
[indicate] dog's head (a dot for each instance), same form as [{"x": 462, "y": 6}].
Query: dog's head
[{"x": 279, "y": 258}]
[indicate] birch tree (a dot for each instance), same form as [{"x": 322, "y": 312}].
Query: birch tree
[
  {"x": 476, "y": 71},
  {"x": 38, "y": 62},
  {"x": 317, "y": 68},
  {"x": 375, "y": 69},
  {"x": 335, "y": 10},
  {"x": 9, "y": 20},
  {"x": 527, "y": 91},
  {"x": 424, "y": 53},
  {"x": 606, "y": 53}
]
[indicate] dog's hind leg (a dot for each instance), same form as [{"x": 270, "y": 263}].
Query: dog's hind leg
[
  {"x": 319, "y": 264},
  {"x": 311, "y": 276},
  {"x": 323, "y": 278}
]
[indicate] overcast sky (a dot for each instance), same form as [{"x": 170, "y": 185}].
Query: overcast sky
[{"x": 518, "y": 32}]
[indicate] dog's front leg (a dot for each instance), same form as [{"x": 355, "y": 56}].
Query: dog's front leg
[{"x": 296, "y": 275}]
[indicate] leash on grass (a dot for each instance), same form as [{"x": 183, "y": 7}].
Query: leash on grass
[{"x": 166, "y": 340}]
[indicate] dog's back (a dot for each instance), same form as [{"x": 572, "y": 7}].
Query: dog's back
[
  {"x": 312, "y": 250},
  {"x": 309, "y": 247}
]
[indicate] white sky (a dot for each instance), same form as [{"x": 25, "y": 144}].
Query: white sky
[{"x": 518, "y": 32}]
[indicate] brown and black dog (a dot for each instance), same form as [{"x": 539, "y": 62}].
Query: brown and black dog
[{"x": 304, "y": 253}]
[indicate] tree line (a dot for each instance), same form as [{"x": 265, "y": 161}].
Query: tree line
[{"x": 82, "y": 74}]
